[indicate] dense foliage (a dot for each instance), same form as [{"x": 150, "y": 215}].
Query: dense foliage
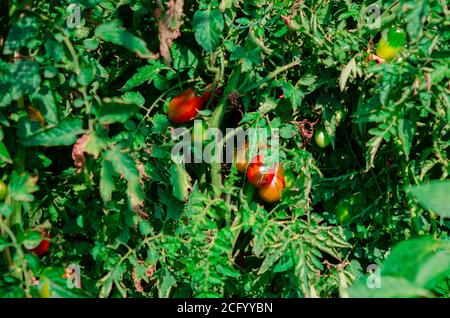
[{"x": 85, "y": 149}]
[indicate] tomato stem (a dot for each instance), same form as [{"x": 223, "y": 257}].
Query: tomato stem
[{"x": 216, "y": 120}]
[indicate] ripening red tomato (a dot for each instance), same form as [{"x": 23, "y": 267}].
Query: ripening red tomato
[
  {"x": 44, "y": 245},
  {"x": 272, "y": 192},
  {"x": 184, "y": 107},
  {"x": 258, "y": 173}
]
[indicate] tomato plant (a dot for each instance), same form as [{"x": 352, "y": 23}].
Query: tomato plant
[{"x": 95, "y": 115}]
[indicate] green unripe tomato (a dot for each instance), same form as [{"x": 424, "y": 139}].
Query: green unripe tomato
[
  {"x": 321, "y": 137},
  {"x": 3, "y": 190},
  {"x": 343, "y": 210},
  {"x": 396, "y": 37},
  {"x": 340, "y": 115}
]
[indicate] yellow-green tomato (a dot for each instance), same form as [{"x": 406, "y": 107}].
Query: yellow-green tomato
[
  {"x": 385, "y": 51},
  {"x": 3, "y": 190},
  {"x": 343, "y": 210},
  {"x": 45, "y": 288}
]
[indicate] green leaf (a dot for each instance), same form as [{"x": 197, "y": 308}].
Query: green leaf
[
  {"x": 114, "y": 33},
  {"x": 4, "y": 154},
  {"x": 107, "y": 184},
  {"x": 165, "y": 283},
  {"x": 22, "y": 186},
  {"x": 146, "y": 73},
  {"x": 390, "y": 287},
  {"x": 122, "y": 164},
  {"x": 405, "y": 131},
  {"x": 433, "y": 270},
  {"x": 208, "y": 26},
  {"x": 65, "y": 134},
  {"x": 434, "y": 196},
  {"x": 406, "y": 257},
  {"x": 348, "y": 70},
  {"x": 18, "y": 79},
  {"x": 44, "y": 101},
  {"x": 21, "y": 34},
  {"x": 120, "y": 109},
  {"x": 181, "y": 182},
  {"x": 270, "y": 260},
  {"x": 32, "y": 239}
]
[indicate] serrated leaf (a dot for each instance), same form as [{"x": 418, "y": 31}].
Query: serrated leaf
[
  {"x": 114, "y": 33},
  {"x": 181, "y": 182},
  {"x": 107, "y": 184},
  {"x": 349, "y": 69},
  {"x": 122, "y": 163},
  {"x": 165, "y": 283},
  {"x": 270, "y": 260},
  {"x": 4, "y": 154},
  {"x": 208, "y": 26},
  {"x": 120, "y": 109},
  {"x": 405, "y": 131},
  {"x": 22, "y": 186},
  {"x": 147, "y": 74},
  {"x": 65, "y": 134}
]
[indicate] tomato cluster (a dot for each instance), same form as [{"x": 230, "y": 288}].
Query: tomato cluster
[{"x": 269, "y": 180}]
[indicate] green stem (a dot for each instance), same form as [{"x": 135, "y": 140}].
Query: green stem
[
  {"x": 19, "y": 166},
  {"x": 413, "y": 211},
  {"x": 23, "y": 263},
  {"x": 216, "y": 120},
  {"x": 272, "y": 75}
]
